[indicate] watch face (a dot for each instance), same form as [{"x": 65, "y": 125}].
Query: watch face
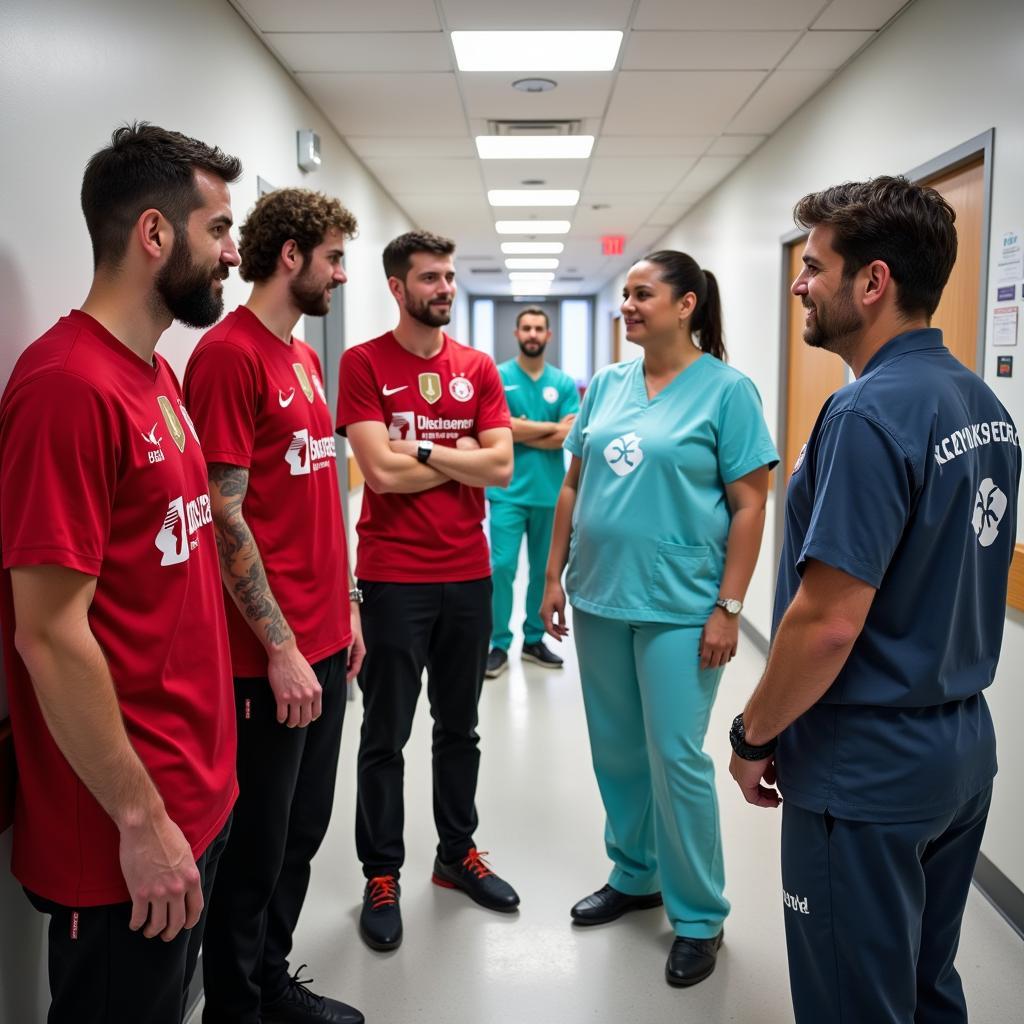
[{"x": 732, "y": 606}]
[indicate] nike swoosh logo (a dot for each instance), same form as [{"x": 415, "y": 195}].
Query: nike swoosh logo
[
  {"x": 285, "y": 402},
  {"x": 392, "y": 391},
  {"x": 511, "y": 387}
]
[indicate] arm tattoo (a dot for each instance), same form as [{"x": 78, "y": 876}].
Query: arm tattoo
[{"x": 240, "y": 560}]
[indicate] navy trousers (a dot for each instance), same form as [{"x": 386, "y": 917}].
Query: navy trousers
[{"x": 873, "y": 914}]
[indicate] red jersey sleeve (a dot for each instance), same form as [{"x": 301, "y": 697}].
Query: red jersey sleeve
[
  {"x": 492, "y": 410},
  {"x": 222, "y": 394},
  {"x": 58, "y": 475},
  {"x": 358, "y": 397}
]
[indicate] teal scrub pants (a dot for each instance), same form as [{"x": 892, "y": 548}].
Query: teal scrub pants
[
  {"x": 648, "y": 703},
  {"x": 509, "y": 522}
]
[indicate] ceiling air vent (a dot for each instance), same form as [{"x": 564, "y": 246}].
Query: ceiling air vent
[
  {"x": 535, "y": 127},
  {"x": 565, "y": 277},
  {"x": 485, "y": 270}
]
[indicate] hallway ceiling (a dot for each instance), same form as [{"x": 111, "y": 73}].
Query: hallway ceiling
[{"x": 697, "y": 87}]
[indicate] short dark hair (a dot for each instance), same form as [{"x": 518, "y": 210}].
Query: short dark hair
[
  {"x": 398, "y": 253},
  {"x": 533, "y": 311},
  {"x": 145, "y": 166},
  {"x": 288, "y": 214},
  {"x": 909, "y": 227}
]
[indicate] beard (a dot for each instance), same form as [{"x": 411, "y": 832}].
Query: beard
[
  {"x": 186, "y": 289},
  {"x": 311, "y": 297},
  {"x": 532, "y": 349},
  {"x": 427, "y": 314},
  {"x": 834, "y": 325}
]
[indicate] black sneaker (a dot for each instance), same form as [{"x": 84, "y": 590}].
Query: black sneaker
[
  {"x": 540, "y": 655},
  {"x": 380, "y": 922},
  {"x": 478, "y": 881},
  {"x": 299, "y": 1005},
  {"x": 497, "y": 662}
]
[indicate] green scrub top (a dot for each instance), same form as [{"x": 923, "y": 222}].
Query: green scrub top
[
  {"x": 651, "y": 517},
  {"x": 538, "y": 473}
]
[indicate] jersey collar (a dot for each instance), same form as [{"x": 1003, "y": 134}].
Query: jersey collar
[{"x": 910, "y": 341}]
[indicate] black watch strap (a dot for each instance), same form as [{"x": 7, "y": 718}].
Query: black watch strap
[{"x": 745, "y": 750}]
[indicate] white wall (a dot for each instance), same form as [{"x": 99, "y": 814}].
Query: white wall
[
  {"x": 943, "y": 73},
  {"x": 70, "y": 72}
]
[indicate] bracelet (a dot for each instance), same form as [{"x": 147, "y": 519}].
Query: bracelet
[{"x": 745, "y": 750}]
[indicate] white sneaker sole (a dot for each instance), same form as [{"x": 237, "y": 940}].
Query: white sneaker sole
[
  {"x": 543, "y": 664},
  {"x": 494, "y": 673}
]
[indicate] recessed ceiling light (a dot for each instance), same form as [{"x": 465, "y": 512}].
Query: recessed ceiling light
[
  {"x": 534, "y": 147},
  {"x": 527, "y": 275},
  {"x": 531, "y": 264},
  {"x": 532, "y": 227},
  {"x": 530, "y": 287},
  {"x": 533, "y": 196},
  {"x": 532, "y": 248},
  {"x": 534, "y": 84},
  {"x": 536, "y": 51}
]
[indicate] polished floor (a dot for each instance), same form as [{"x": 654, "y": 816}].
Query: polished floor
[{"x": 541, "y": 818}]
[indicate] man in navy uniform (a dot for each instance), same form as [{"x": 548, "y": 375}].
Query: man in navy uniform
[{"x": 900, "y": 528}]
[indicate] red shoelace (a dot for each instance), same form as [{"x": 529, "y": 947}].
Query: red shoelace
[
  {"x": 474, "y": 861},
  {"x": 383, "y": 891}
]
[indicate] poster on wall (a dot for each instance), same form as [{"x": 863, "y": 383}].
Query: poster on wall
[
  {"x": 1004, "y": 326},
  {"x": 1010, "y": 264}
]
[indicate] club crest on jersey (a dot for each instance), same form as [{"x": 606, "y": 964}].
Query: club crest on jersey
[
  {"x": 800, "y": 459},
  {"x": 402, "y": 426},
  {"x": 430, "y": 386},
  {"x": 319, "y": 385},
  {"x": 550, "y": 395},
  {"x": 303, "y": 379},
  {"x": 177, "y": 431},
  {"x": 188, "y": 421},
  {"x": 461, "y": 388}
]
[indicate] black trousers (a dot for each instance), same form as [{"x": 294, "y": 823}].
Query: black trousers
[
  {"x": 444, "y": 628},
  {"x": 286, "y": 782},
  {"x": 103, "y": 973},
  {"x": 873, "y": 914}
]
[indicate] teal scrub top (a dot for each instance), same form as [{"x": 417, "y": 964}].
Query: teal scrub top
[
  {"x": 651, "y": 518},
  {"x": 538, "y": 473}
]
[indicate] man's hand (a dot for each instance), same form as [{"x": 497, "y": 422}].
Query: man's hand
[
  {"x": 718, "y": 639},
  {"x": 295, "y": 686},
  {"x": 552, "y": 610},
  {"x": 162, "y": 877},
  {"x": 748, "y": 776},
  {"x": 356, "y": 649}
]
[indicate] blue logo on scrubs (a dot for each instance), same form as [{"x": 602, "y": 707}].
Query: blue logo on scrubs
[{"x": 624, "y": 454}]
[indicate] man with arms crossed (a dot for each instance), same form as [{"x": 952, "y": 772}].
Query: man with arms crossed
[
  {"x": 258, "y": 399},
  {"x": 429, "y": 427},
  {"x": 889, "y": 611},
  {"x": 117, "y": 659},
  {"x": 543, "y": 402}
]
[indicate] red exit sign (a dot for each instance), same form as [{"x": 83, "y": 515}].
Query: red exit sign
[{"x": 612, "y": 245}]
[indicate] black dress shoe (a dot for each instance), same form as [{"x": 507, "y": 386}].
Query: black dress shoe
[
  {"x": 540, "y": 655},
  {"x": 299, "y": 1005},
  {"x": 380, "y": 922},
  {"x": 691, "y": 960},
  {"x": 478, "y": 881},
  {"x": 607, "y": 904}
]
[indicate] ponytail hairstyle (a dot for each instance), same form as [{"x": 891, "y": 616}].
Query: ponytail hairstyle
[{"x": 682, "y": 274}]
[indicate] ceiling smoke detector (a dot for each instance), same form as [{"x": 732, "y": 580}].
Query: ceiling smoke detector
[{"x": 534, "y": 84}]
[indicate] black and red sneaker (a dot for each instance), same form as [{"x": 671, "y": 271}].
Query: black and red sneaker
[
  {"x": 380, "y": 922},
  {"x": 475, "y": 878}
]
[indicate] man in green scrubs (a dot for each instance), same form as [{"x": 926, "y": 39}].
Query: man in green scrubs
[{"x": 543, "y": 402}]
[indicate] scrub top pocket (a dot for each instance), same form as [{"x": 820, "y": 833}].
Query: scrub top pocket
[{"x": 685, "y": 579}]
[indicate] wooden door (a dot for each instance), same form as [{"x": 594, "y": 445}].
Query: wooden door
[
  {"x": 957, "y": 315},
  {"x": 616, "y": 338},
  {"x": 812, "y": 373}
]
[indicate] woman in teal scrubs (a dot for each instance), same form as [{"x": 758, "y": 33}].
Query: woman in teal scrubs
[{"x": 660, "y": 520}]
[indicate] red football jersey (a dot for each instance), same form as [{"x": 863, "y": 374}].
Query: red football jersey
[
  {"x": 434, "y": 536},
  {"x": 260, "y": 404},
  {"x": 101, "y": 472}
]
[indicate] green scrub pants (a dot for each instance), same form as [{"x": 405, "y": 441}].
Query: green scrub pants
[
  {"x": 509, "y": 521},
  {"x": 648, "y": 703}
]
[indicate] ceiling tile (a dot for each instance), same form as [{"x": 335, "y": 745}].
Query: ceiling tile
[
  {"x": 735, "y": 145},
  {"x": 871, "y": 14},
  {"x": 466, "y": 221},
  {"x": 782, "y": 94},
  {"x": 613, "y": 174},
  {"x": 366, "y": 148},
  {"x": 709, "y": 171},
  {"x": 431, "y": 176},
  {"x": 341, "y": 15},
  {"x": 536, "y": 14},
  {"x": 553, "y": 173},
  {"x": 665, "y": 145},
  {"x": 824, "y": 50},
  {"x": 725, "y": 14},
  {"x": 706, "y": 51},
  {"x": 363, "y": 51},
  {"x": 686, "y": 195},
  {"x": 662, "y": 102},
  {"x": 489, "y": 95},
  {"x": 617, "y": 220},
  {"x": 668, "y": 214},
  {"x": 588, "y": 126},
  {"x": 367, "y": 104}
]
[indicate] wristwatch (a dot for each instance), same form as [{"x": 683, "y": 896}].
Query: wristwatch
[
  {"x": 730, "y": 604},
  {"x": 424, "y": 450},
  {"x": 737, "y": 737},
  {"x": 355, "y": 595}
]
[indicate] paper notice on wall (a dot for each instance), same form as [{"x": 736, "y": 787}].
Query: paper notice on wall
[
  {"x": 1010, "y": 264},
  {"x": 1004, "y": 326}
]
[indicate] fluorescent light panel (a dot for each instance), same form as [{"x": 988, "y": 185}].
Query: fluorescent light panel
[
  {"x": 530, "y": 288},
  {"x": 532, "y": 227},
  {"x": 532, "y": 248},
  {"x": 533, "y": 196},
  {"x": 528, "y": 264},
  {"x": 530, "y": 275},
  {"x": 534, "y": 147},
  {"x": 536, "y": 51}
]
